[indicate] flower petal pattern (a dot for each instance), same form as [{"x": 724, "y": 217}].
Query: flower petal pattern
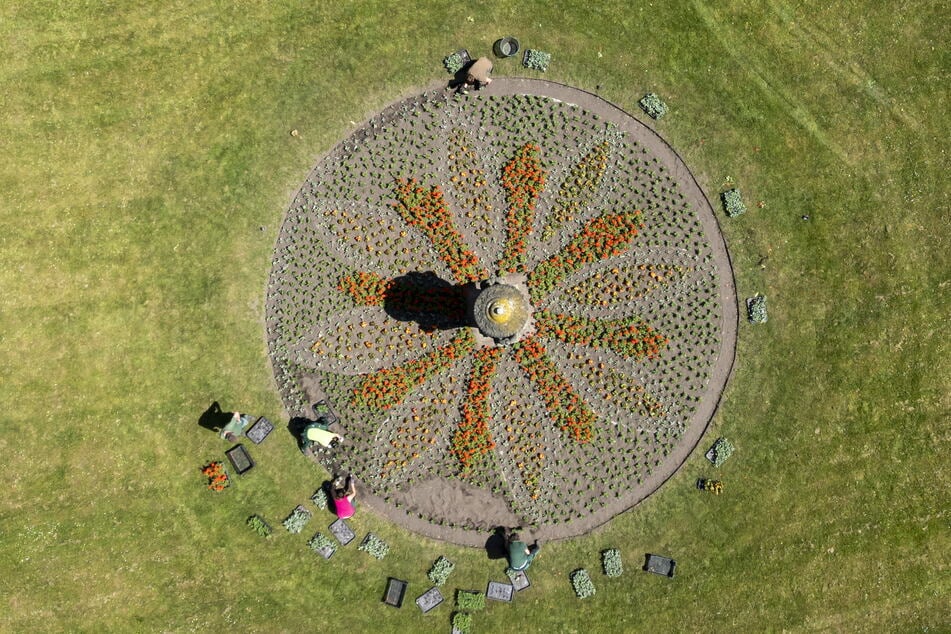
[
  {"x": 604, "y": 237},
  {"x": 584, "y": 213},
  {"x": 522, "y": 179}
]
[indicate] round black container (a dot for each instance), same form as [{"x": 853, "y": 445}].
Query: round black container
[{"x": 505, "y": 47}]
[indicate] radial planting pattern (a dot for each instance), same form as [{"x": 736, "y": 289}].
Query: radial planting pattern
[{"x": 611, "y": 291}]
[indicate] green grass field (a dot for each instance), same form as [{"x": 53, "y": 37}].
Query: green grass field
[{"x": 143, "y": 150}]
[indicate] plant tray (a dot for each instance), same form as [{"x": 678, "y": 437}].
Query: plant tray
[
  {"x": 505, "y": 47},
  {"x": 259, "y": 430},
  {"x": 660, "y": 565},
  {"x": 712, "y": 452},
  {"x": 525, "y": 61},
  {"x": 429, "y": 599},
  {"x": 240, "y": 459},
  {"x": 464, "y": 56},
  {"x": 326, "y": 552},
  {"x": 520, "y": 580},
  {"x": 395, "y": 591},
  {"x": 342, "y": 532},
  {"x": 500, "y": 591}
]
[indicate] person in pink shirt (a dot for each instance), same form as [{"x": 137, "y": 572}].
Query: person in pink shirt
[{"x": 343, "y": 496}]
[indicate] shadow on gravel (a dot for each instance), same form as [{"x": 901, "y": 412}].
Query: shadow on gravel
[
  {"x": 495, "y": 544},
  {"x": 424, "y": 298}
]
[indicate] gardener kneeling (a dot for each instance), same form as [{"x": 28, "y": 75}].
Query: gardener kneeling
[
  {"x": 521, "y": 555},
  {"x": 318, "y": 433},
  {"x": 478, "y": 75},
  {"x": 343, "y": 491}
]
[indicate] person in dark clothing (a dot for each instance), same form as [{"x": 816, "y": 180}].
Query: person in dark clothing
[{"x": 520, "y": 554}]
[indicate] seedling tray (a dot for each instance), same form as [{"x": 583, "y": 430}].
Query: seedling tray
[
  {"x": 395, "y": 591},
  {"x": 429, "y": 599},
  {"x": 240, "y": 459},
  {"x": 342, "y": 532},
  {"x": 520, "y": 580},
  {"x": 500, "y": 591},
  {"x": 660, "y": 565},
  {"x": 259, "y": 430}
]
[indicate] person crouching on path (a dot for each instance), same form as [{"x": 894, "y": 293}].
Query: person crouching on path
[
  {"x": 343, "y": 496},
  {"x": 478, "y": 76},
  {"x": 521, "y": 555}
]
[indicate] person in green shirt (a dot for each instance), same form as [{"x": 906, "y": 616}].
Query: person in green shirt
[
  {"x": 520, "y": 554},
  {"x": 235, "y": 427},
  {"x": 318, "y": 433}
]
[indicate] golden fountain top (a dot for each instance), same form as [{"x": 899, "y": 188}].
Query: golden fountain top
[{"x": 500, "y": 311}]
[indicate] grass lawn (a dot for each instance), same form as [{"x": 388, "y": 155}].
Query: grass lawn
[{"x": 146, "y": 165}]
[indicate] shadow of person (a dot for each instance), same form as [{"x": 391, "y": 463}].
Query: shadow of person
[
  {"x": 459, "y": 79},
  {"x": 213, "y": 419},
  {"x": 424, "y": 298},
  {"x": 296, "y": 427},
  {"x": 496, "y": 546}
]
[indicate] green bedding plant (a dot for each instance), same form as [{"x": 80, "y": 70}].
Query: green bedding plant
[
  {"x": 653, "y": 106},
  {"x": 611, "y": 562},
  {"x": 537, "y": 60},
  {"x": 321, "y": 541},
  {"x": 462, "y": 622},
  {"x": 468, "y": 601},
  {"x": 582, "y": 584},
  {"x": 453, "y": 63},
  {"x": 733, "y": 203},
  {"x": 756, "y": 309},
  {"x": 297, "y": 519},
  {"x": 319, "y": 498},
  {"x": 722, "y": 449},
  {"x": 440, "y": 571},
  {"x": 374, "y": 546},
  {"x": 259, "y": 526}
]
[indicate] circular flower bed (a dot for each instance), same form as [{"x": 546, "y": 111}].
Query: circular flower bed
[{"x": 633, "y": 309}]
